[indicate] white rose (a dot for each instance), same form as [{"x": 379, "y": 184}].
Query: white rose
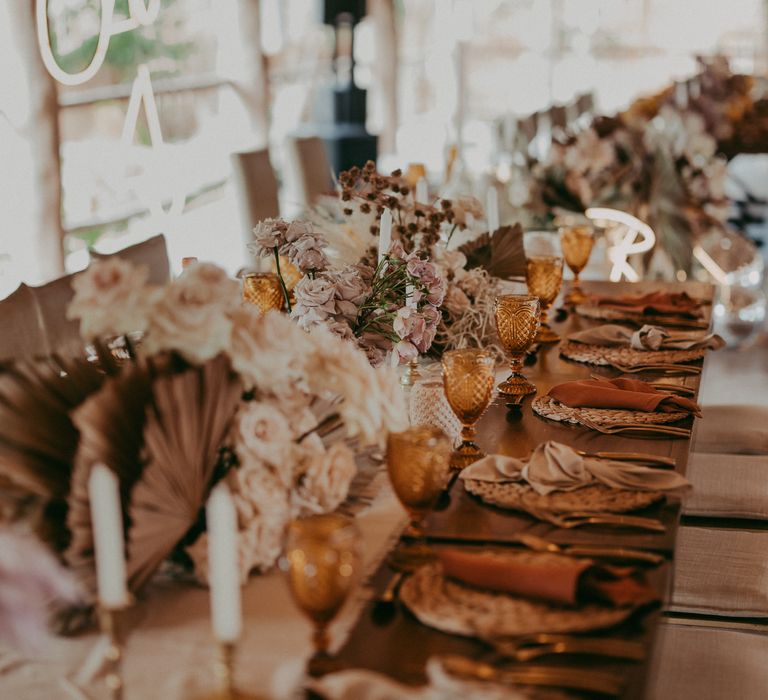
[
  {"x": 191, "y": 315},
  {"x": 326, "y": 481},
  {"x": 262, "y": 430},
  {"x": 111, "y": 298}
]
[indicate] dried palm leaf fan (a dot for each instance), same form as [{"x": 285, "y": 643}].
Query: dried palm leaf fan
[
  {"x": 37, "y": 437},
  {"x": 186, "y": 423},
  {"x": 111, "y": 424},
  {"x": 160, "y": 432},
  {"x": 500, "y": 253}
]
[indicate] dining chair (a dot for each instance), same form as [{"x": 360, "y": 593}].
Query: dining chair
[
  {"x": 23, "y": 332},
  {"x": 53, "y": 299},
  {"x": 312, "y": 169},
  {"x": 256, "y": 186},
  {"x": 153, "y": 253},
  {"x": 732, "y": 429}
]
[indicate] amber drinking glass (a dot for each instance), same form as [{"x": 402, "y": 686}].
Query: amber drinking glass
[
  {"x": 576, "y": 243},
  {"x": 517, "y": 323},
  {"x": 322, "y": 561},
  {"x": 263, "y": 289},
  {"x": 468, "y": 377},
  {"x": 544, "y": 275},
  {"x": 418, "y": 463}
]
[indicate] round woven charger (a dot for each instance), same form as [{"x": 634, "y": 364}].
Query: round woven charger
[
  {"x": 452, "y": 607},
  {"x": 595, "y": 498},
  {"x": 549, "y": 408},
  {"x": 602, "y": 355},
  {"x": 605, "y": 313}
]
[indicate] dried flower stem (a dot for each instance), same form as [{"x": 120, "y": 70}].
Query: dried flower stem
[{"x": 282, "y": 281}]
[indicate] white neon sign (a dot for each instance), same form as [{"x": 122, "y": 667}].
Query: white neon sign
[
  {"x": 625, "y": 240},
  {"x": 140, "y": 13}
]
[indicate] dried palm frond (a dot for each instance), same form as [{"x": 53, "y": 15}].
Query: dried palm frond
[
  {"x": 186, "y": 423},
  {"x": 37, "y": 437},
  {"x": 501, "y": 254}
]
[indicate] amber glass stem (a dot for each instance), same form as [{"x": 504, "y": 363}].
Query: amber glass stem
[
  {"x": 516, "y": 364},
  {"x": 320, "y": 638},
  {"x": 468, "y": 433},
  {"x": 544, "y": 316}
]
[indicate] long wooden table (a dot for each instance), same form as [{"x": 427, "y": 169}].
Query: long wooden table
[{"x": 399, "y": 646}]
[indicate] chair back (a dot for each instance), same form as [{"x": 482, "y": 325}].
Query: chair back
[
  {"x": 309, "y": 160},
  {"x": 23, "y": 333},
  {"x": 152, "y": 253},
  {"x": 256, "y": 186},
  {"x": 53, "y": 299}
]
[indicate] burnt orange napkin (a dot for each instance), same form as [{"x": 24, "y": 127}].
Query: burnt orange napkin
[
  {"x": 567, "y": 581},
  {"x": 663, "y": 303},
  {"x": 631, "y": 394}
]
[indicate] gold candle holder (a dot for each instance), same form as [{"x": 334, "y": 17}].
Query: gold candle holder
[
  {"x": 112, "y": 626},
  {"x": 544, "y": 275},
  {"x": 223, "y": 671},
  {"x": 264, "y": 290},
  {"x": 576, "y": 243},
  {"x": 411, "y": 374}
]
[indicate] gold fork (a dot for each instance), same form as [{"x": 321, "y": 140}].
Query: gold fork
[
  {"x": 667, "y": 368},
  {"x": 638, "y": 429},
  {"x": 533, "y": 646},
  {"x": 600, "y": 551},
  {"x": 568, "y": 521}
]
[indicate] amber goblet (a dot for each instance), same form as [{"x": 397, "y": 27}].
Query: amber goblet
[
  {"x": 322, "y": 561},
  {"x": 468, "y": 377},
  {"x": 576, "y": 243},
  {"x": 544, "y": 275},
  {"x": 517, "y": 323},
  {"x": 263, "y": 289},
  {"x": 418, "y": 464}
]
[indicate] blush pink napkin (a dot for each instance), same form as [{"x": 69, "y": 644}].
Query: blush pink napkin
[
  {"x": 630, "y": 394},
  {"x": 568, "y": 582},
  {"x": 664, "y": 303}
]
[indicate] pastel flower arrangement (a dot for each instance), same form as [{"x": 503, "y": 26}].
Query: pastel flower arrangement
[
  {"x": 291, "y": 379},
  {"x": 392, "y": 309}
]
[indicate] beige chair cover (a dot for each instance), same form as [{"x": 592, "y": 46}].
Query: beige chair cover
[
  {"x": 309, "y": 160},
  {"x": 152, "y": 253},
  {"x": 22, "y": 332}
]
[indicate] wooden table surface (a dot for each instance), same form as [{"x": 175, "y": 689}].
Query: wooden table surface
[{"x": 399, "y": 646}]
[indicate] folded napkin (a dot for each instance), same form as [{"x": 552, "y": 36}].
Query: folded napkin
[
  {"x": 728, "y": 486},
  {"x": 631, "y": 394},
  {"x": 721, "y": 571},
  {"x": 563, "y": 580},
  {"x": 662, "y": 303},
  {"x": 647, "y": 338},
  {"x": 556, "y": 467}
]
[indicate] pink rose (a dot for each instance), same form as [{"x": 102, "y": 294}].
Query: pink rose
[{"x": 405, "y": 352}]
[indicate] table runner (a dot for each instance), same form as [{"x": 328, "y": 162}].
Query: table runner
[{"x": 170, "y": 650}]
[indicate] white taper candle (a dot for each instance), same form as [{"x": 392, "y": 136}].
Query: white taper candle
[
  {"x": 410, "y": 299},
  {"x": 492, "y": 208},
  {"x": 224, "y": 577},
  {"x": 107, "y": 525},
  {"x": 422, "y": 191},
  {"x": 385, "y": 233}
]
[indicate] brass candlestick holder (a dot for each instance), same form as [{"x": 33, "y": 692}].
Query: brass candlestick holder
[
  {"x": 112, "y": 626},
  {"x": 223, "y": 671},
  {"x": 411, "y": 374}
]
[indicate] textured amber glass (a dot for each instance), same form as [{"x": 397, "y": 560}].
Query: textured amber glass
[
  {"x": 517, "y": 323},
  {"x": 468, "y": 377},
  {"x": 576, "y": 243},
  {"x": 263, "y": 289},
  {"x": 322, "y": 564},
  {"x": 544, "y": 275},
  {"x": 418, "y": 463}
]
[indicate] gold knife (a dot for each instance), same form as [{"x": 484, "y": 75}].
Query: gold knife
[
  {"x": 639, "y": 457},
  {"x": 603, "y": 682}
]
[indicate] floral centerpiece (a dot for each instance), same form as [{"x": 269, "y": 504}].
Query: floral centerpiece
[{"x": 215, "y": 391}]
